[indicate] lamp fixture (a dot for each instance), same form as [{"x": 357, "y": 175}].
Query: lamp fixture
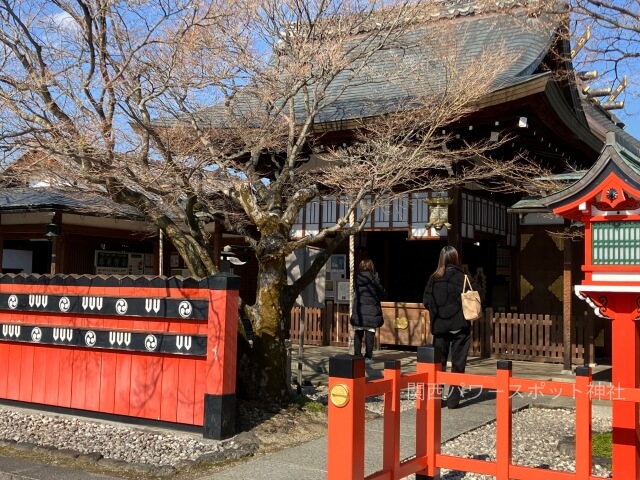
[
  {"x": 52, "y": 230},
  {"x": 230, "y": 256},
  {"x": 438, "y": 212}
]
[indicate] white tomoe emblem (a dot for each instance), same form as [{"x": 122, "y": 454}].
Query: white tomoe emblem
[
  {"x": 36, "y": 334},
  {"x": 90, "y": 338},
  {"x": 152, "y": 304},
  {"x": 150, "y": 342},
  {"x": 183, "y": 341},
  {"x": 38, "y": 300},
  {"x": 13, "y": 302},
  {"x": 184, "y": 309},
  {"x": 64, "y": 304},
  {"x": 11, "y": 330},
  {"x": 62, "y": 334},
  {"x": 92, "y": 303},
  {"x": 121, "y": 306}
]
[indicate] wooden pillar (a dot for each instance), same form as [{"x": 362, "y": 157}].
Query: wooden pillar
[
  {"x": 345, "y": 454},
  {"x": 454, "y": 235},
  {"x": 56, "y": 247},
  {"x": 625, "y": 362},
  {"x": 567, "y": 302},
  {"x": 1, "y": 243},
  {"x": 222, "y": 342}
]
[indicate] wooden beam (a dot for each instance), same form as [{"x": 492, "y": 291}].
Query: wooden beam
[{"x": 567, "y": 301}]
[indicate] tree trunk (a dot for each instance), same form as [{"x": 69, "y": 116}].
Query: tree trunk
[{"x": 265, "y": 375}]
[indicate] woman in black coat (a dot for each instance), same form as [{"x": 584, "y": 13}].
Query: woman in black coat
[
  {"x": 451, "y": 331},
  {"x": 367, "y": 312}
]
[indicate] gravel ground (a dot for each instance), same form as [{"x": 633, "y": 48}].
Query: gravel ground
[
  {"x": 129, "y": 444},
  {"x": 536, "y": 435}
]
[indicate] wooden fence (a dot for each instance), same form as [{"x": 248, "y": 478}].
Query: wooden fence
[{"x": 507, "y": 336}]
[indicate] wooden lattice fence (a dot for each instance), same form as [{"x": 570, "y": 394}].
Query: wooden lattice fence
[{"x": 508, "y": 336}]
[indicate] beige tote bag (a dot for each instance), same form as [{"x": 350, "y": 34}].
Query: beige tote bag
[{"x": 471, "y": 305}]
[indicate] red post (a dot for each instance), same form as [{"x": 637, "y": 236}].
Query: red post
[
  {"x": 625, "y": 360},
  {"x": 504, "y": 420},
  {"x": 222, "y": 331},
  {"x": 583, "y": 422},
  {"x": 430, "y": 362},
  {"x": 391, "y": 453},
  {"x": 346, "y": 418}
]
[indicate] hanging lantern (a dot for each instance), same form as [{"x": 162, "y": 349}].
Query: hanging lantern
[
  {"x": 438, "y": 212},
  {"x": 52, "y": 230}
]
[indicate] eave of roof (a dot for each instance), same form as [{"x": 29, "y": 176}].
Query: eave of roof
[
  {"x": 615, "y": 156},
  {"x": 48, "y": 199}
]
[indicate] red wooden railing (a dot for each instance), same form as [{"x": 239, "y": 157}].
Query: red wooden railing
[{"x": 348, "y": 391}]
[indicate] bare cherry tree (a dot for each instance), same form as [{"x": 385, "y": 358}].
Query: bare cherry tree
[{"x": 244, "y": 112}]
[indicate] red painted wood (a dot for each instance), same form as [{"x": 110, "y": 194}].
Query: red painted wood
[
  {"x": 153, "y": 384},
  {"x": 93, "y": 380},
  {"x": 583, "y": 426},
  {"x": 186, "y": 390},
  {"x": 52, "y": 374},
  {"x": 26, "y": 372},
  {"x": 139, "y": 390},
  {"x": 626, "y": 353},
  {"x": 504, "y": 424},
  {"x": 123, "y": 384},
  {"x": 169, "y": 405},
  {"x": 222, "y": 342},
  {"x": 4, "y": 368},
  {"x": 13, "y": 373},
  {"x": 346, "y": 431},
  {"x": 433, "y": 416},
  {"x": 108, "y": 382},
  {"x": 199, "y": 391},
  {"x": 79, "y": 378}
]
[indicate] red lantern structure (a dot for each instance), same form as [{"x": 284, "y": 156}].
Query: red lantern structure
[{"x": 607, "y": 201}]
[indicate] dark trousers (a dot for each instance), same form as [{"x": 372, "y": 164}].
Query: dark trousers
[
  {"x": 357, "y": 343},
  {"x": 456, "y": 344}
]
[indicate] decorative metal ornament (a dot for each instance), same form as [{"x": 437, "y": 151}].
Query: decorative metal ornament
[
  {"x": 339, "y": 395},
  {"x": 438, "y": 212}
]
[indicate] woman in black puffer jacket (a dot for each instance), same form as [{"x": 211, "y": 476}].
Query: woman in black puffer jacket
[
  {"x": 451, "y": 331},
  {"x": 367, "y": 312}
]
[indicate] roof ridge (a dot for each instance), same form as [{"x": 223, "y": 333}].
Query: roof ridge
[{"x": 443, "y": 9}]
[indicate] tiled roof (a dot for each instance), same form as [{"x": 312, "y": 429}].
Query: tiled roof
[
  {"x": 602, "y": 121},
  {"x": 615, "y": 157},
  {"x": 471, "y": 25},
  {"x": 44, "y": 199}
]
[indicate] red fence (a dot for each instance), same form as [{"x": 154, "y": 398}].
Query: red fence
[
  {"x": 148, "y": 347},
  {"x": 348, "y": 390}
]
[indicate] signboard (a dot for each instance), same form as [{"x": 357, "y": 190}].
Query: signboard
[
  {"x": 342, "y": 294},
  {"x": 111, "y": 263},
  {"x": 121, "y": 263}
]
